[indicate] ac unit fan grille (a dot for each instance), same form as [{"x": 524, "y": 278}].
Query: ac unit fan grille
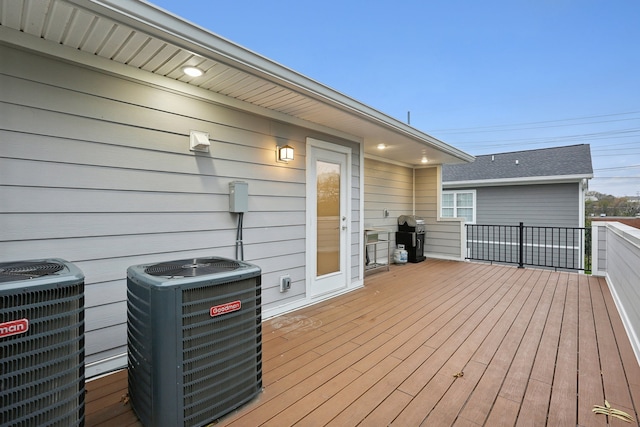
[
  {"x": 192, "y": 267},
  {"x": 25, "y": 270},
  {"x": 43, "y": 369},
  {"x": 222, "y": 357},
  {"x": 140, "y": 352}
]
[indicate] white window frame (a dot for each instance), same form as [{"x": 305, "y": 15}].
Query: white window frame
[{"x": 455, "y": 204}]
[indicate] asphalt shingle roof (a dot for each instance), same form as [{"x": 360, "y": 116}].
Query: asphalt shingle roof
[{"x": 547, "y": 162}]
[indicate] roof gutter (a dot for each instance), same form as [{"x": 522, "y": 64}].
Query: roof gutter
[
  {"x": 558, "y": 179},
  {"x": 165, "y": 26}
]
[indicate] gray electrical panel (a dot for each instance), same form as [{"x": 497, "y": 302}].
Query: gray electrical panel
[{"x": 238, "y": 197}]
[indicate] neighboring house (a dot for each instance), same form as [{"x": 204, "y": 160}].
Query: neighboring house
[
  {"x": 544, "y": 187},
  {"x": 96, "y": 165}
]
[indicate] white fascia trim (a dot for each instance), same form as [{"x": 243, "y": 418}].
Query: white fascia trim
[
  {"x": 559, "y": 179},
  {"x": 384, "y": 160},
  {"x": 398, "y": 163},
  {"x": 172, "y": 29},
  {"x": 361, "y": 246},
  {"x": 27, "y": 41},
  {"x": 582, "y": 190},
  {"x": 438, "y": 193},
  {"x": 596, "y": 268}
]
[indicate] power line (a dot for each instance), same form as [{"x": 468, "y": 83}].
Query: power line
[
  {"x": 520, "y": 126},
  {"x": 608, "y": 135},
  {"x": 617, "y": 145},
  {"x": 480, "y": 130},
  {"x": 624, "y": 152},
  {"x": 619, "y": 168},
  {"x": 617, "y": 177}
]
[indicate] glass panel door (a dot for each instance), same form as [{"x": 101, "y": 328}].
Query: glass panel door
[
  {"x": 328, "y": 214},
  {"x": 328, "y": 223}
]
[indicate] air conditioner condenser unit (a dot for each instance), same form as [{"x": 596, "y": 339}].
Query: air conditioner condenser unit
[
  {"x": 194, "y": 338},
  {"x": 42, "y": 344}
]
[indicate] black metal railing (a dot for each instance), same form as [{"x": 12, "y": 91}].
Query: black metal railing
[{"x": 553, "y": 247}]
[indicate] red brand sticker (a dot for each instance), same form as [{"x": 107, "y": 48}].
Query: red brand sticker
[
  {"x": 14, "y": 327},
  {"x": 225, "y": 308}
]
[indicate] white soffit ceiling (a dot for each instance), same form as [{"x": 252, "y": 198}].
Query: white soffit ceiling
[{"x": 145, "y": 37}]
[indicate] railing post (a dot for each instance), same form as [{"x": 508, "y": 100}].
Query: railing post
[{"x": 521, "y": 257}]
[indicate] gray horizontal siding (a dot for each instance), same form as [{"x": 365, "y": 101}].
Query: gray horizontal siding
[
  {"x": 602, "y": 253},
  {"x": 442, "y": 238},
  {"x": 97, "y": 170},
  {"x": 69, "y": 225},
  {"x": 387, "y": 186},
  {"x": 390, "y": 186},
  {"x": 540, "y": 205},
  {"x": 622, "y": 249}
]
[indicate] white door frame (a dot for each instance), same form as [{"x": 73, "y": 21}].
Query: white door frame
[{"x": 315, "y": 145}]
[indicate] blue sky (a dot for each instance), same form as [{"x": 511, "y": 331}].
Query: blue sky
[{"x": 486, "y": 77}]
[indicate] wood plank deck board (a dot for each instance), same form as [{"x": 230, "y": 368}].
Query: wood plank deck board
[
  {"x": 515, "y": 383},
  {"x": 544, "y": 365},
  {"x": 534, "y": 347},
  {"x": 612, "y": 367},
  {"x": 590, "y": 390},
  {"x": 534, "y": 407},
  {"x": 563, "y": 405}
]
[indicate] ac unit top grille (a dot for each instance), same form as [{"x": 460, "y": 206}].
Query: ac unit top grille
[
  {"x": 192, "y": 267},
  {"x": 25, "y": 270}
]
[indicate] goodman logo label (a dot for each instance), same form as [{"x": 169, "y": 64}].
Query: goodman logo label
[
  {"x": 14, "y": 327},
  {"x": 229, "y": 307}
]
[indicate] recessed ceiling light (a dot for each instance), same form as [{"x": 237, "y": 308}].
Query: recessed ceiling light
[
  {"x": 381, "y": 146},
  {"x": 424, "y": 159},
  {"x": 192, "y": 71}
]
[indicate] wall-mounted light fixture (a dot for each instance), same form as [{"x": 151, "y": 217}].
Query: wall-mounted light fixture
[
  {"x": 199, "y": 141},
  {"x": 192, "y": 71},
  {"x": 284, "y": 154},
  {"x": 424, "y": 159},
  {"x": 381, "y": 146}
]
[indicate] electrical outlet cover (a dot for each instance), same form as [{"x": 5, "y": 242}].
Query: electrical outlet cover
[{"x": 285, "y": 283}]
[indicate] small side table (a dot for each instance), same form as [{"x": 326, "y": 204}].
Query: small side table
[{"x": 373, "y": 237}]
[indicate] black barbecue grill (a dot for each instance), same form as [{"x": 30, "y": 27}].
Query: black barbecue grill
[{"x": 411, "y": 233}]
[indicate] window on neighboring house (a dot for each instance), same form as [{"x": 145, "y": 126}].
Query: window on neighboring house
[{"x": 459, "y": 204}]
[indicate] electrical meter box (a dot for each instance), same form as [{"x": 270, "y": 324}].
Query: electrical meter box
[{"x": 238, "y": 197}]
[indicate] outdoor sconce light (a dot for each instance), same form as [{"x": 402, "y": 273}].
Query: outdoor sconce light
[
  {"x": 199, "y": 141},
  {"x": 284, "y": 153}
]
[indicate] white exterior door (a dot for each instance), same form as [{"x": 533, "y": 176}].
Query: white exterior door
[{"x": 328, "y": 217}]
